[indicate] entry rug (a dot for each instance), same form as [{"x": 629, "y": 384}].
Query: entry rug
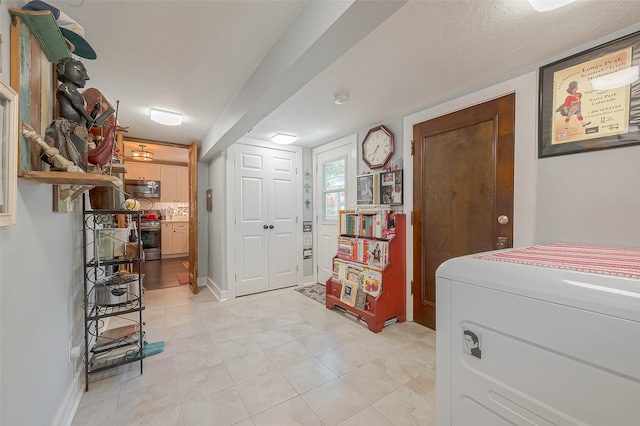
[
  {"x": 183, "y": 278},
  {"x": 313, "y": 291}
]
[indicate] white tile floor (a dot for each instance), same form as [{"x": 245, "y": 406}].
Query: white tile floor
[{"x": 275, "y": 358}]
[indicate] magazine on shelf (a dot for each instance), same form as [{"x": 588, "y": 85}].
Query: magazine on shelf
[
  {"x": 372, "y": 281},
  {"x": 361, "y": 299}
]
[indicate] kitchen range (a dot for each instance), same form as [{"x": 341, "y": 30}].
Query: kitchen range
[{"x": 150, "y": 234}]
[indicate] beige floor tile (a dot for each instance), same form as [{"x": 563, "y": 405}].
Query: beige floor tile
[
  {"x": 287, "y": 354},
  {"x": 294, "y": 412},
  {"x": 249, "y": 367},
  {"x": 307, "y": 375},
  {"x": 237, "y": 348},
  {"x": 206, "y": 381},
  {"x": 334, "y": 402},
  {"x": 196, "y": 359},
  {"x": 370, "y": 382},
  {"x": 223, "y": 408},
  {"x": 156, "y": 404},
  {"x": 265, "y": 391},
  {"x": 271, "y": 338},
  {"x": 278, "y": 355},
  {"x": 367, "y": 417},
  {"x": 404, "y": 407}
]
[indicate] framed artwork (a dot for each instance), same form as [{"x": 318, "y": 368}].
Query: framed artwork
[
  {"x": 591, "y": 100},
  {"x": 349, "y": 290},
  {"x": 367, "y": 189},
  {"x": 209, "y": 200},
  {"x": 391, "y": 187},
  {"x": 8, "y": 154}
]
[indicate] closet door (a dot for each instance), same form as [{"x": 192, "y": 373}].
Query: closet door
[
  {"x": 282, "y": 217},
  {"x": 266, "y": 219},
  {"x": 252, "y": 239}
]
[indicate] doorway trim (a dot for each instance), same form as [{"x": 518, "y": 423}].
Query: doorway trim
[{"x": 525, "y": 87}]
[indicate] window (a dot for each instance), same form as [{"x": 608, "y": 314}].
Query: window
[{"x": 334, "y": 193}]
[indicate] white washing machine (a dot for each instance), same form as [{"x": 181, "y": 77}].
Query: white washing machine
[{"x": 541, "y": 335}]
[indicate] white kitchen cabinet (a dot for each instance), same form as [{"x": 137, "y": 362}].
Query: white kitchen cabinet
[
  {"x": 174, "y": 238},
  {"x": 142, "y": 171},
  {"x": 175, "y": 184}
]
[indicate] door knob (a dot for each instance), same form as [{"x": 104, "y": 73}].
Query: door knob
[
  {"x": 503, "y": 220},
  {"x": 265, "y": 227},
  {"x": 270, "y": 226}
]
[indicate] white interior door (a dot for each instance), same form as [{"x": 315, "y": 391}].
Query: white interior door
[
  {"x": 252, "y": 244},
  {"x": 334, "y": 165},
  {"x": 266, "y": 221},
  {"x": 282, "y": 219}
]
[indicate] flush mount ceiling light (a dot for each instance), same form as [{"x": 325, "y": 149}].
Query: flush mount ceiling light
[
  {"x": 616, "y": 79},
  {"x": 340, "y": 98},
  {"x": 165, "y": 117},
  {"x": 141, "y": 154},
  {"x": 547, "y": 5},
  {"x": 283, "y": 139}
]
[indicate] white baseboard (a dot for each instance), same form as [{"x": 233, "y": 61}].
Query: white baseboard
[
  {"x": 69, "y": 405},
  {"x": 307, "y": 280},
  {"x": 219, "y": 294}
]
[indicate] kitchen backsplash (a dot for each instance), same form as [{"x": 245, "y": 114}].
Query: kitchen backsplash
[{"x": 169, "y": 210}]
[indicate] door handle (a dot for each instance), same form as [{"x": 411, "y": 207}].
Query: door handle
[
  {"x": 265, "y": 227},
  {"x": 271, "y": 226}
]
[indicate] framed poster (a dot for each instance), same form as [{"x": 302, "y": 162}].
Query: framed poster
[
  {"x": 591, "y": 100},
  {"x": 391, "y": 188},
  {"x": 8, "y": 154}
]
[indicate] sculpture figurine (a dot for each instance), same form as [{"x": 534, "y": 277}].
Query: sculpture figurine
[{"x": 69, "y": 133}]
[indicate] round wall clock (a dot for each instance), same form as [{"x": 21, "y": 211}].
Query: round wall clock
[{"x": 377, "y": 147}]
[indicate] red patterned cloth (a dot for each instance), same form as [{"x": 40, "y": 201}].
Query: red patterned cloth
[{"x": 619, "y": 261}]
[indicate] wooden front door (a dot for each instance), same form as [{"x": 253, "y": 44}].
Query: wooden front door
[{"x": 463, "y": 181}]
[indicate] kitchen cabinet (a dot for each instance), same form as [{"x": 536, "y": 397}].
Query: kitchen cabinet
[
  {"x": 174, "y": 238},
  {"x": 142, "y": 171},
  {"x": 175, "y": 184},
  {"x": 111, "y": 291}
]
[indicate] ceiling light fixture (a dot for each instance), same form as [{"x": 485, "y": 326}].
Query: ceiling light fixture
[
  {"x": 616, "y": 79},
  {"x": 141, "y": 154},
  {"x": 547, "y": 5},
  {"x": 165, "y": 117},
  {"x": 283, "y": 139},
  {"x": 340, "y": 98}
]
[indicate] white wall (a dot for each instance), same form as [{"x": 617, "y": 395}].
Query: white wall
[
  {"x": 216, "y": 220},
  {"x": 589, "y": 198},
  {"x": 40, "y": 293}
]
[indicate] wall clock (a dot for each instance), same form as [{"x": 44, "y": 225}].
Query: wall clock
[{"x": 377, "y": 147}]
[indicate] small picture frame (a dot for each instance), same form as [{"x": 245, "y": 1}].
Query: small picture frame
[
  {"x": 348, "y": 294},
  {"x": 366, "y": 189},
  {"x": 391, "y": 188},
  {"x": 209, "y": 200}
]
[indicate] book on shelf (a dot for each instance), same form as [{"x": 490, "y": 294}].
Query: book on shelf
[
  {"x": 361, "y": 299},
  {"x": 378, "y": 223},
  {"x": 372, "y": 281},
  {"x": 348, "y": 294}
]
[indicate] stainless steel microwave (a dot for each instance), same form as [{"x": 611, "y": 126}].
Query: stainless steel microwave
[{"x": 142, "y": 188}]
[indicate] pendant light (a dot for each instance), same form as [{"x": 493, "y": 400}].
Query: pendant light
[{"x": 141, "y": 154}]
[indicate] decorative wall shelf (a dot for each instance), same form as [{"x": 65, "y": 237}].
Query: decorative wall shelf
[{"x": 68, "y": 178}]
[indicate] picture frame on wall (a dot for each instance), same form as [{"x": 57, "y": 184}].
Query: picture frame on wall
[
  {"x": 367, "y": 189},
  {"x": 391, "y": 192},
  {"x": 209, "y": 200},
  {"x": 591, "y": 100},
  {"x": 8, "y": 154}
]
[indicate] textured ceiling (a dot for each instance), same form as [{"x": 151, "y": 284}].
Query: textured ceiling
[{"x": 261, "y": 67}]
